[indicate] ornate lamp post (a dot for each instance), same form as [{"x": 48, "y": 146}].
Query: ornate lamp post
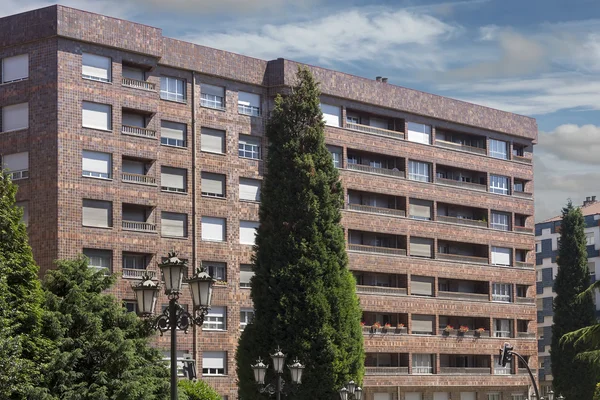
[
  {"x": 351, "y": 391},
  {"x": 260, "y": 371},
  {"x": 175, "y": 316}
]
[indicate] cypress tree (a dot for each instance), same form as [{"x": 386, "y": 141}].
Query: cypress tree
[
  {"x": 304, "y": 295},
  {"x": 572, "y": 377}
]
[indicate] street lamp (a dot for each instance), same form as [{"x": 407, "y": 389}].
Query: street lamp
[
  {"x": 351, "y": 391},
  {"x": 175, "y": 316},
  {"x": 551, "y": 395},
  {"x": 560, "y": 397},
  {"x": 260, "y": 371}
]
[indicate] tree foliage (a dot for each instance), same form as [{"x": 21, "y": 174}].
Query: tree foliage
[
  {"x": 22, "y": 348},
  {"x": 571, "y": 311},
  {"x": 304, "y": 296},
  {"x": 197, "y": 390},
  {"x": 102, "y": 351}
]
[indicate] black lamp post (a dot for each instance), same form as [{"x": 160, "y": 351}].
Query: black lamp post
[
  {"x": 260, "y": 371},
  {"x": 351, "y": 391},
  {"x": 175, "y": 316}
]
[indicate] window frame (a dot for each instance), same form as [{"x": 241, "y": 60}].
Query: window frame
[
  {"x": 496, "y": 186},
  {"x": 19, "y": 78},
  {"x": 167, "y": 94},
  {"x": 249, "y": 147},
  {"x": 496, "y": 150},
  {"x": 499, "y": 225},
  {"x": 415, "y": 173},
  {"x": 94, "y": 77},
  {"x": 215, "y": 321}
]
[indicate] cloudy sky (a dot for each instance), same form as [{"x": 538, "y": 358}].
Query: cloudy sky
[{"x": 535, "y": 57}]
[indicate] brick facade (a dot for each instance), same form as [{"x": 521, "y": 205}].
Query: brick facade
[{"x": 55, "y": 189}]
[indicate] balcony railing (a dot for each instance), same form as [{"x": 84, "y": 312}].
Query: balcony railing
[
  {"x": 462, "y": 295},
  {"x": 523, "y": 229},
  {"x": 374, "y": 131},
  {"x": 459, "y": 257},
  {"x": 138, "y": 178},
  {"x": 381, "y": 290},
  {"x": 131, "y": 273},
  {"x": 523, "y": 195},
  {"x": 458, "y": 146},
  {"x": 461, "y": 184},
  {"x": 465, "y": 370},
  {"x": 137, "y": 131},
  {"x": 524, "y": 265},
  {"x": 462, "y": 221},
  {"x": 526, "y": 335},
  {"x": 422, "y": 370},
  {"x": 525, "y": 300},
  {"x": 367, "y": 330},
  {"x": 376, "y": 210},
  {"x": 138, "y": 226},
  {"x": 502, "y": 371},
  {"x": 249, "y": 110},
  {"x": 374, "y": 170},
  {"x": 377, "y": 249},
  {"x": 522, "y": 159},
  {"x": 386, "y": 370},
  {"x": 137, "y": 84}
]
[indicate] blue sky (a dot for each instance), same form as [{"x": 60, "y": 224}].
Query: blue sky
[{"x": 534, "y": 57}]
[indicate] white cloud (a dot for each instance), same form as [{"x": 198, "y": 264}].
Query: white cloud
[
  {"x": 570, "y": 142},
  {"x": 352, "y": 35},
  {"x": 489, "y": 32}
]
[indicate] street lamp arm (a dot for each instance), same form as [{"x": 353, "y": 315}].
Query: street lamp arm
[{"x": 535, "y": 388}]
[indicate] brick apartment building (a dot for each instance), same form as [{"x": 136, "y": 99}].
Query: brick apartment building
[
  {"x": 547, "y": 235},
  {"x": 126, "y": 144}
]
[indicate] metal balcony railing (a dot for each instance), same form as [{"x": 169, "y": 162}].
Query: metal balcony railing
[
  {"x": 376, "y": 210},
  {"x": 386, "y": 370},
  {"x": 461, "y": 184},
  {"x": 393, "y": 291},
  {"x": 458, "y": 146},
  {"x": 138, "y": 178},
  {"x": 138, "y": 226},
  {"x": 374, "y": 170},
  {"x": 137, "y": 131},
  {"x": 137, "y": 84},
  {"x": 377, "y": 249},
  {"x": 374, "y": 131},
  {"x": 462, "y": 221}
]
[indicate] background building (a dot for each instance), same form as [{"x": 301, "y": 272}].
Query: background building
[
  {"x": 126, "y": 144},
  {"x": 547, "y": 235}
]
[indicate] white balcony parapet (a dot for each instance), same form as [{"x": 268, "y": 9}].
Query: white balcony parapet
[
  {"x": 458, "y": 146},
  {"x": 386, "y": 370},
  {"x": 137, "y": 84},
  {"x": 137, "y": 273},
  {"x": 377, "y": 249},
  {"x": 462, "y": 258},
  {"x": 462, "y": 221},
  {"x": 138, "y": 226},
  {"x": 462, "y": 295},
  {"x": 465, "y": 370},
  {"x": 381, "y": 290},
  {"x": 376, "y": 210},
  {"x": 139, "y": 179},
  {"x": 461, "y": 184},
  {"x": 374, "y": 131},
  {"x": 374, "y": 170},
  {"x": 137, "y": 131}
]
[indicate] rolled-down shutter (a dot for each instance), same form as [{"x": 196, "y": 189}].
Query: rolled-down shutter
[
  {"x": 412, "y": 396},
  {"x": 212, "y": 140},
  {"x": 501, "y": 255},
  {"x": 421, "y": 285},
  {"x": 173, "y": 178},
  {"x": 246, "y": 274},
  {"x": 15, "y": 68},
  {"x": 133, "y": 73},
  {"x": 331, "y": 114},
  {"x": 250, "y": 189},
  {"x": 97, "y": 213},
  {"x": 173, "y": 224},
  {"x": 15, "y": 117},
  {"x": 420, "y": 208},
  {"x": 422, "y": 323},
  {"x": 132, "y": 119},
  {"x": 213, "y": 184},
  {"x": 421, "y": 247},
  {"x": 172, "y": 130},
  {"x": 441, "y": 396},
  {"x": 213, "y": 359},
  {"x": 96, "y": 67},
  {"x": 249, "y": 99},
  {"x": 218, "y": 91},
  {"x": 96, "y": 116},
  {"x": 213, "y": 229},
  {"x": 248, "y": 231},
  {"x": 93, "y": 161},
  {"x": 468, "y": 396},
  {"x": 16, "y": 161}
]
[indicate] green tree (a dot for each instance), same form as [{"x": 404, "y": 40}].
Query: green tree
[
  {"x": 198, "y": 390},
  {"x": 570, "y": 311},
  {"x": 22, "y": 348},
  {"x": 304, "y": 295},
  {"x": 102, "y": 351}
]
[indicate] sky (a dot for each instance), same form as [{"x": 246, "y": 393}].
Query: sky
[{"x": 539, "y": 58}]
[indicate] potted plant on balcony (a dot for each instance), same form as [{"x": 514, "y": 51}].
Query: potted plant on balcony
[
  {"x": 376, "y": 325},
  {"x": 447, "y": 330},
  {"x": 399, "y": 328},
  {"x": 386, "y": 327},
  {"x": 479, "y": 331},
  {"x": 462, "y": 330}
]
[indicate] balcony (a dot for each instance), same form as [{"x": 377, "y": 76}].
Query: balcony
[
  {"x": 459, "y": 364},
  {"x": 135, "y": 122},
  {"x": 473, "y": 326},
  {"x": 377, "y": 249},
  {"x": 375, "y": 124},
  {"x": 461, "y": 215},
  {"x": 392, "y": 291},
  {"x": 384, "y": 284},
  {"x": 386, "y": 364},
  {"x": 139, "y": 179},
  {"x": 522, "y": 159},
  {"x": 463, "y": 296},
  {"x": 133, "y": 273},
  {"x": 138, "y": 84},
  {"x": 376, "y": 203},
  {"x": 139, "y": 226},
  {"x": 136, "y": 170},
  {"x": 460, "y": 141},
  {"x": 462, "y": 178},
  {"x": 462, "y": 221},
  {"x": 374, "y": 130},
  {"x": 138, "y": 131},
  {"x": 376, "y": 210},
  {"x": 523, "y": 229},
  {"x": 524, "y": 265},
  {"x": 523, "y": 195},
  {"x": 386, "y": 370},
  {"x": 465, "y": 370},
  {"x": 379, "y": 243},
  {"x": 462, "y": 252},
  {"x": 376, "y": 163},
  {"x": 136, "y": 218}
]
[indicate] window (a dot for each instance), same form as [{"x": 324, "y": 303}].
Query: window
[
  {"x": 15, "y": 117},
  {"x": 249, "y": 147},
  {"x": 173, "y": 133},
  {"x": 502, "y": 292},
  {"x": 522, "y": 290},
  {"x": 249, "y": 104},
  {"x": 214, "y": 362},
  {"x": 382, "y": 396},
  {"x": 212, "y": 96},
  {"x": 173, "y": 224},
  {"x": 212, "y": 141},
  {"x": 538, "y": 246},
  {"x": 130, "y": 305},
  {"x": 24, "y": 205},
  {"x": 468, "y": 395},
  {"x": 99, "y": 259},
  {"x": 502, "y": 328},
  {"x": 248, "y": 232},
  {"x": 591, "y": 268},
  {"x": 421, "y": 285},
  {"x": 501, "y": 255},
  {"x": 95, "y": 67},
  {"x": 420, "y": 209},
  {"x": 15, "y": 68},
  {"x": 172, "y": 89},
  {"x": 246, "y": 275},
  {"x": 96, "y": 165},
  {"x": 519, "y": 396},
  {"x": 246, "y": 316},
  {"x": 213, "y": 229},
  {"x": 589, "y": 238},
  {"x": 96, "y": 116},
  {"x": 419, "y": 171},
  {"x": 498, "y": 149},
  {"x": 97, "y": 213},
  {"x": 133, "y": 73},
  {"x": 331, "y": 114},
  {"x": 494, "y": 396},
  {"x": 499, "y": 184},
  {"x": 500, "y": 221},
  {"x": 441, "y": 396},
  {"x": 216, "y": 319},
  {"x": 217, "y": 270},
  {"x": 421, "y": 247},
  {"x": 519, "y": 186},
  {"x": 419, "y": 133},
  {"x": 413, "y": 396},
  {"x": 499, "y": 369},
  {"x": 336, "y": 155},
  {"x": 173, "y": 179},
  {"x": 213, "y": 185},
  {"x": 17, "y": 165},
  {"x": 134, "y": 261},
  {"x": 422, "y": 325},
  {"x": 250, "y": 189},
  {"x": 422, "y": 363}
]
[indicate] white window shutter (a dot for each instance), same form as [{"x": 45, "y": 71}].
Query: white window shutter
[
  {"x": 250, "y": 189},
  {"x": 422, "y": 323},
  {"x": 133, "y": 73},
  {"x": 94, "y": 161},
  {"x": 212, "y": 140},
  {"x": 16, "y": 161},
  {"x": 501, "y": 255},
  {"x": 412, "y": 396},
  {"x": 441, "y": 396},
  {"x": 173, "y": 178},
  {"x": 213, "y": 90},
  {"x": 15, "y": 117},
  {"x": 15, "y": 68},
  {"x": 468, "y": 396},
  {"x": 331, "y": 114},
  {"x": 173, "y": 224},
  {"x": 213, "y": 359},
  {"x": 213, "y": 184},
  {"x": 97, "y": 213},
  {"x": 173, "y": 130},
  {"x": 213, "y": 229},
  {"x": 248, "y": 231},
  {"x": 96, "y": 67},
  {"x": 96, "y": 116},
  {"x": 249, "y": 99}
]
